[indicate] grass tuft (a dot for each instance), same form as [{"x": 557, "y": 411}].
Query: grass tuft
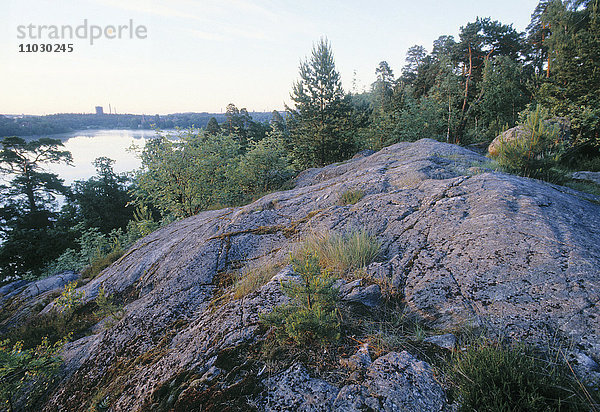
[
  {"x": 342, "y": 253},
  {"x": 351, "y": 197},
  {"x": 490, "y": 377},
  {"x": 255, "y": 277}
]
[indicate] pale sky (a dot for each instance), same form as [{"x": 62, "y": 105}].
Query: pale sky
[{"x": 201, "y": 55}]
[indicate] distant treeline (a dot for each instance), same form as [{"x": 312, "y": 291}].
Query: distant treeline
[{"x": 69, "y": 122}]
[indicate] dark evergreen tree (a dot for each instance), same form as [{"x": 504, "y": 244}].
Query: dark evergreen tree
[
  {"x": 29, "y": 230},
  {"x": 102, "y": 200},
  {"x": 320, "y": 124},
  {"x": 213, "y": 127},
  {"x": 414, "y": 57}
]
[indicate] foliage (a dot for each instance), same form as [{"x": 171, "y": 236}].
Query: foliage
[
  {"x": 504, "y": 95},
  {"x": 340, "y": 253},
  {"x": 537, "y": 151},
  {"x": 570, "y": 34},
  {"x": 106, "y": 306},
  {"x": 95, "y": 251},
  {"x": 30, "y": 233},
  {"x": 264, "y": 167},
  {"x": 101, "y": 201},
  {"x": 19, "y": 368},
  {"x": 320, "y": 124},
  {"x": 351, "y": 196},
  {"x": 70, "y": 299},
  {"x": 311, "y": 316},
  {"x": 491, "y": 377},
  {"x": 212, "y": 127},
  {"x": 99, "y": 263},
  {"x": 185, "y": 176}
]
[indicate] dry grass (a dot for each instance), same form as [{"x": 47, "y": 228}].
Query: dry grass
[
  {"x": 254, "y": 277},
  {"x": 342, "y": 253},
  {"x": 351, "y": 197}
]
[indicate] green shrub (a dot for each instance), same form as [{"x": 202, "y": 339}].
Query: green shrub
[
  {"x": 106, "y": 306},
  {"x": 490, "y": 377},
  {"x": 99, "y": 263},
  {"x": 340, "y": 253},
  {"x": 69, "y": 299},
  {"x": 19, "y": 367},
  {"x": 351, "y": 197},
  {"x": 538, "y": 153},
  {"x": 311, "y": 316}
]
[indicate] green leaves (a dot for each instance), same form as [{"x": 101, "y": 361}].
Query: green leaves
[
  {"x": 19, "y": 367},
  {"x": 28, "y": 225},
  {"x": 185, "y": 174}
]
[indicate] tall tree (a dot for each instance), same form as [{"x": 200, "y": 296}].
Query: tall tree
[
  {"x": 28, "y": 219},
  {"x": 572, "y": 87},
  {"x": 101, "y": 201},
  {"x": 320, "y": 123},
  {"x": 383, "y": 88},
  {"x": 213, "y": 127},
  {"x": 414, "y": 58}
]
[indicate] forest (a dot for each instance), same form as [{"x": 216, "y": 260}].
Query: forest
[
  {"x": 465, "y": 90},
  {"x": 29, "y": 125}
]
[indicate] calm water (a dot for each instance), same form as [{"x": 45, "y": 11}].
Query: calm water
[{"x": 85, "y": 146}]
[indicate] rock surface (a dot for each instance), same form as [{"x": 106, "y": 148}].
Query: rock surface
[
  {"x": 516, "y": 256},
  {"x": 514, "y": 133},
  {"x": 446, "y": 341},
  {"x": 20, "y": 299},
  {"x": 394, "y": 382},
  {"x": 593, "y": 177},
  {"x": 562, "y": 125}
]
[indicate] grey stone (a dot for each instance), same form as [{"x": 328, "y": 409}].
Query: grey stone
[
  {"x": 22, "y": 299},
  {"x": 363, "y": 153},
  {"x": 585, "y": 366},
  {"x": 357, "y": 292},
  {"x": 393, "y": 382},
  {"x": 211, "y": 374},
  {"x": 514, "y": 255},
  {"x": 515, "y": 133},
  {"x": 369, "y": 296},
  {"x": 355, "y": 398},
  {"x": 403, "y": 383},
  {"x": 360, "y": 360},
  {"x": 295, "y": 390},
  {"x": 593, "y": 177},
  {"x": 446, "y": 341}
]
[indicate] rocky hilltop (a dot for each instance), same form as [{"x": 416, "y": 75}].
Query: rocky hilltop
[{"x": 463, "y": 246}]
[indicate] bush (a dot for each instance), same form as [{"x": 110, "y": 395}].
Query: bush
[
  {"x": 538, "y": 153},
  {"x": 107, "y": 307},
  {"x": 19, "y": 367},
  {"x": 340, "y": 253},
  {"x": 311, "y": 316},
  {"x": 489, "y": 377},
  {"x": 99, "y": 263},
  {"x": 69, "y": 299},
  {"x": 351, "y": 197}
]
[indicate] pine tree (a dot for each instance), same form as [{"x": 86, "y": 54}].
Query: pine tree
[
  {"x": 28, "y": 219},
  {"x": 320, "y": 123},
  {"x": 213, "y": 127}
]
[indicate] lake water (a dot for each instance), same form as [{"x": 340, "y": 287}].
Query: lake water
[{"x": 85, "y": 146}]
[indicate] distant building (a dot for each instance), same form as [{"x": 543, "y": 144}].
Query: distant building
[{"x": 99, "y": 110}]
